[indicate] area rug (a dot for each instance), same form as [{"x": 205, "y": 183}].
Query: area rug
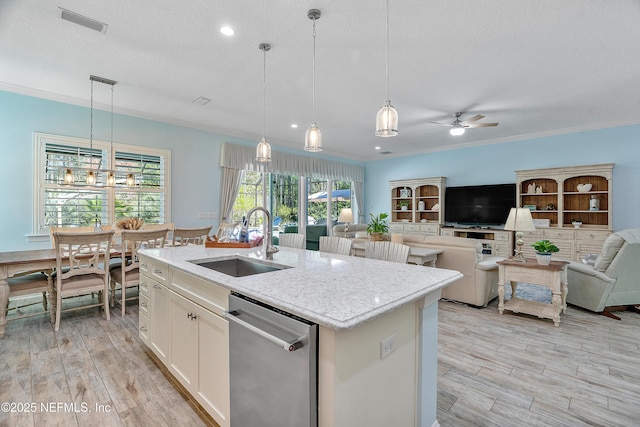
[{"x": 530, "y": 292}]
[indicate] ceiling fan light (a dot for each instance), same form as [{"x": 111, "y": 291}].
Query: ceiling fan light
[
  {"x": 313, "y": 139},
  {"x": 263, "y": 151},
  {"x": 387, "y": 121},
  {"x": 456, "y": 130}
]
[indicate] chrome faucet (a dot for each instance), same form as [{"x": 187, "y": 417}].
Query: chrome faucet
[{"x": 269, "y": 249}]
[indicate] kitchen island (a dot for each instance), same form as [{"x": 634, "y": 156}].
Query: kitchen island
[{"x": 359, "y": 304}]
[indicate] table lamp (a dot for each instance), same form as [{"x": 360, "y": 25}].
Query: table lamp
[
  {"x": 519, "y": 220},
  {"x": 346, "y": 216}
]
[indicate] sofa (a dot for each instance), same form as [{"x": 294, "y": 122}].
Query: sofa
[
  {"x": 313, "y": 233},
  {"x": 480, "y": 282},
  {"x": 612, "y": 281}
]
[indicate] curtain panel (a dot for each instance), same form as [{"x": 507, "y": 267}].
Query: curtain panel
[{"x": 244, "y": 158}]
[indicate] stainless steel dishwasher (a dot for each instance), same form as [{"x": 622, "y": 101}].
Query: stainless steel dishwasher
[{"x": 273, "y": 366}]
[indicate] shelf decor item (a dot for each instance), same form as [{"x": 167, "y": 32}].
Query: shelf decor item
[
  {"x": 544, "y": 249},
  {"x": 584, "y": 188},
  {"x": 405, "y": 192},
  {"x": 377, "y": 226},
  {"x": 403, "y": 205}
]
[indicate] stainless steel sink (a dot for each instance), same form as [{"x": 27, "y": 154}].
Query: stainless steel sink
[{"x": 239, "y": 267}]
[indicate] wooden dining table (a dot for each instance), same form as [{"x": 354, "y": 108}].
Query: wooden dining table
[{"x": 12, "y": 263}]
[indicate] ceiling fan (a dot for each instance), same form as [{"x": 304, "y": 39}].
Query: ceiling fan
[{"x": 458, "y": 126}]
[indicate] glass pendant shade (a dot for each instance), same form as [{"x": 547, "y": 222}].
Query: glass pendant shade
[
  {"x": 91, "y": 177},
  {"x": 111, "y": 178},
  {"x": 387, "y": 121},
  {"x": 263, "y": 151},
  {"x": 131, "y": 180},
  {"x": 456, "y": 130},
  {"x": 313, "y": 139},
  {"x": 68, "y": 177}
]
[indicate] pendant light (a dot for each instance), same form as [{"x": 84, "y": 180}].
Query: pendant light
[
  {"x": 91, "y": 175},
  {"x": 263, "y": 150},
  {"x": 387, "y": 117},
  {"x": 313, "y": 137}
]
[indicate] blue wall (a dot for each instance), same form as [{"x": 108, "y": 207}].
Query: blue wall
[
  {"x": 497, "y": 163},
  {"x": 195, "y": 157}
]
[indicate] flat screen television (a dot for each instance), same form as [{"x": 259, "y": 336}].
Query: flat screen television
[{"x": 479, "y": 205}]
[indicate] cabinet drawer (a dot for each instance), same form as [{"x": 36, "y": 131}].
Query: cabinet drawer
[
  {"x": 143, "y": 304},
  {"x": 502, "y": 237},
  {"x": 447, "y": 232},
  {"x": 396, "y": 227},
  {"x": 559, "y": 234},
  {"x": 143, "y": 328},
  {"x": 537, "y": 234},
  {"x": 209, "y": 295},
  {"x": 159, "y": 272},
  {"x": 599, "y": 236},
  {"x": 429, "y": 228},
  {"x": 412, "y": 228},
  {"x": 145, "y": 282}
]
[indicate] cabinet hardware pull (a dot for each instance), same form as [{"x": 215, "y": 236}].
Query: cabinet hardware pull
[
  {"x": 157, "y": 286},
  {"x": 143, "y": 304},
  {"x": 288, "y": 346},
  {"x": 143, "y": 328},
  {"x": 158, "y": 271},
  {"x": 192, "y": 316}
]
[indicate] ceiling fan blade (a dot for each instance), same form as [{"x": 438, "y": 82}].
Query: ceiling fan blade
[
  {"x": 481, "y": 125},
  {"x": 443, "y": 124},
  {"x": 474, "y": 118}
]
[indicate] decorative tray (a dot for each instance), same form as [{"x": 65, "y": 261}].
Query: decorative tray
[{"x": 211, "y": 243}]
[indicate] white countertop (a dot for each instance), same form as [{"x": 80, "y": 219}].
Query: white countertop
[{"x": 336, "y": 291}]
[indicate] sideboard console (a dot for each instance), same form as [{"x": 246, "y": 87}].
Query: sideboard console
[{"x": 494, "y": 242}]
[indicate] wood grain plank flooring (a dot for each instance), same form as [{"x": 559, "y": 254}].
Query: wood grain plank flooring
[{"x": 493, "y": 370}]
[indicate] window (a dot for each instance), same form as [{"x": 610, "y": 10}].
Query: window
[{"x": 78, "y": 204}]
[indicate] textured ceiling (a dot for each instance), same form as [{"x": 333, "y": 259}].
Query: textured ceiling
[{"x": 539, "y": 67}]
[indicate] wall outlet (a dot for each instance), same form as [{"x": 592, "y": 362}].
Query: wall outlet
[
  {"x": 202, "y": 215},
  {"x": 387, "y": 346}
]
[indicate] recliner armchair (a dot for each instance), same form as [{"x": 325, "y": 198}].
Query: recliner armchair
[{"x": 612, "y": 283}]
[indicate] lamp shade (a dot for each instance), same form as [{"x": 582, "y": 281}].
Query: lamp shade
[
  {"x": 313, "y": 139},
  {"x": 263, "y": 151},
  {"x": 346, "y": 215},
  {"x": 520, "y": 220},
  {"x": 387, "y": 121},
  {"x": 456, "y": 130}
]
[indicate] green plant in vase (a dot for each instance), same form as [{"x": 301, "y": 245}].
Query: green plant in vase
[
  {"x": 544, "y": 249},
  {"x": 377, "y": 226},
  {"x": 403, "y": 205}
]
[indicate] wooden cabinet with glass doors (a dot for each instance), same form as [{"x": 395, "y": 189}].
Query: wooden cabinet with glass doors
[
  {"x": 576, "y": 199},
  {"x": 417, "y": 205}
]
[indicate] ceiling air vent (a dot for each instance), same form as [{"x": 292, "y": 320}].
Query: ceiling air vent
[
  {"x": 70, "y": 16},
  {"x": 201, "y": 100},
  {"x": 385, "y": 152}
]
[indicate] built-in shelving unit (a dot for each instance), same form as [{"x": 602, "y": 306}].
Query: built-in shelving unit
[
  {"x": 424, "y": 201},
  {"x": 565, "y": 195}
]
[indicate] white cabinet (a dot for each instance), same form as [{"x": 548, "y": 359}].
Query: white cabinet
[
  {"x": 559, "y": 196},
  {"x": 494, "y": 242},
  {"x": 186, "y": 331},
  {"x": 417, "y": 205}
]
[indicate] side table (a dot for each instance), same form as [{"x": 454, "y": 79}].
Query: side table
[{"x": 553, "y": 276}]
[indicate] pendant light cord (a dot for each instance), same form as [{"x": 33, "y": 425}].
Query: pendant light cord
[
  {"x": 111, "y": 146},
  {"x": 387, "y": 50},
  {"x": 91, "y": 130},
  {"x": 264, "y": 94},
  {"x": 313, "y": 87}
]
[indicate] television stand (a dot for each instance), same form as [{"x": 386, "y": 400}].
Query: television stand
[{"x": 495, "y": 242}]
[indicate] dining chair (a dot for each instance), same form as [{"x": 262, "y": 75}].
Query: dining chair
[
  {"x": 82, "y": 267},
  {"x": 29, "y": 283},
  {"x": 291, "y": 240},
  {"x": 335, "y": 245},
  {"x": 387, "y": 251},
  {"x": 81, "y": 229},
  {"x": 195, "y": 236},
  {"x": 127, "y": 273}
]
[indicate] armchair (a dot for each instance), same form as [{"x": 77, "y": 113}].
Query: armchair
[{"x": 611, "y": 283}]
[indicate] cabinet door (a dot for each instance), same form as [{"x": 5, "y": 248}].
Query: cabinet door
[
  {"x": 213, "y": 365},
  {"x": 183, "y": 327},
  {"x": 159, "y": 319}
]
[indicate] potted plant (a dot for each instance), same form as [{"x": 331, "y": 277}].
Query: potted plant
[
  {"x": 544, "y": 249},
  {"x": 377, "y": 226},
  {"x": 403, "y": 205}
]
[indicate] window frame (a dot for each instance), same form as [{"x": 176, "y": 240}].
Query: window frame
[{"x": 40, "y": 185}]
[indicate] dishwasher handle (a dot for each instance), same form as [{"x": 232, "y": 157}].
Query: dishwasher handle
[{"x": 287, "y": 346}]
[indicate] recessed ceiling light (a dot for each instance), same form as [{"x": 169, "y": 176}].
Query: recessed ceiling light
[
  {"x": 227, "y": 31},
  {"x": 294, "y": 125},
  {"x": 377, "y": 148}
]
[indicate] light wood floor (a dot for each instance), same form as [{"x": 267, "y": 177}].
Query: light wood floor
[{"x": 492, "y": 371}]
